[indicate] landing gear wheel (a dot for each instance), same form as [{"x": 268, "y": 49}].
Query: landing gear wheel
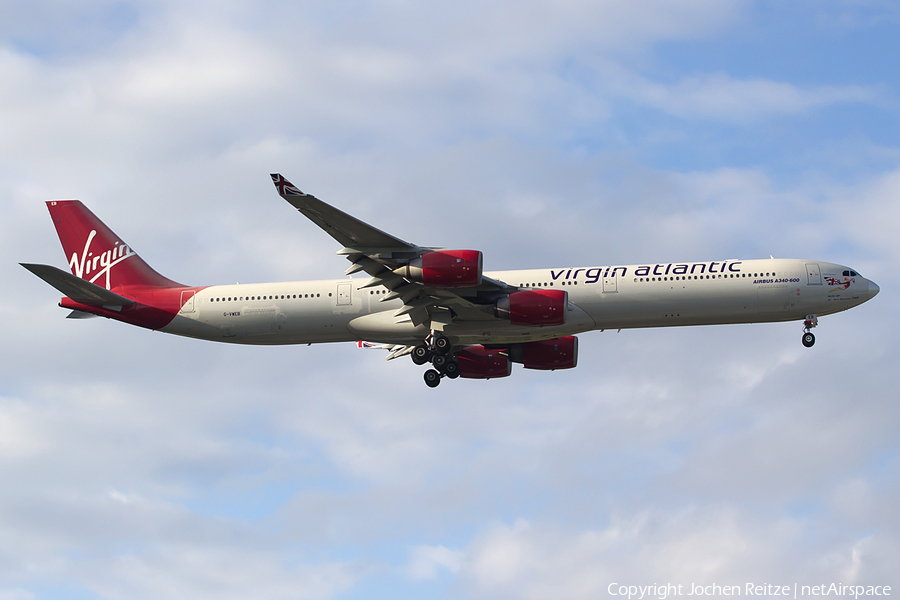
[
  {"x": 432, "y": 378},
  {"x": 442, "y": 344},
  {"x": 451, "y": 369},
  {"x": 440, "y": 361},
  {"x": 420, "y": 354},
  {"x": 809, "y": 339}
]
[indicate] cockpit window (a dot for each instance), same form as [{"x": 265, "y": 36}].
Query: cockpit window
[{"x": 851, "y": 274}]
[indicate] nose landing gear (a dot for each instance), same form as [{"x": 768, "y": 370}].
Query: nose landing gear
[{"x": 808, "y": 338}]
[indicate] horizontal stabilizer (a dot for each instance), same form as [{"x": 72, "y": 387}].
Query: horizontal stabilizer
[{"x": 77, "y": 288}]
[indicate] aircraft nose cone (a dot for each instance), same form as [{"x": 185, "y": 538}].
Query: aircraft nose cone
[{"x": 873, "y": 289}]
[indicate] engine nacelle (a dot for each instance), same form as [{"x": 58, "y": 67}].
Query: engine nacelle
[
  {"x": 445, "y": 268},
  {"x": 547, "y": 355},
  {"x": 478, "y": 362},
  {"x": 534, "y": 307}
]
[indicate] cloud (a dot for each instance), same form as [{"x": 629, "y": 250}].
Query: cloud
[
  {"x": 142, "y": 465},
  {"x": 696, "y": 546},
  {"x": 17, "y": 436},
  {"x": 425, "y": 562},
  {"x": 720, "y": 97},
  {"x": 216, "y": 572}
]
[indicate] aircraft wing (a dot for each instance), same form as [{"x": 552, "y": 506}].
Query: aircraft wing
[
  {"x": 380, "y": 254},
  {"x": 77, "y": 288},
  {"x": 349, "y": 231}
]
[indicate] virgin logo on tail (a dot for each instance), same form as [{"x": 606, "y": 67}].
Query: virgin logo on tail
[{"x": 98, "y": 264}]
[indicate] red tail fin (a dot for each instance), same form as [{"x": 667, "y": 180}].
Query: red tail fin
[{"x": 98, "y": 255}]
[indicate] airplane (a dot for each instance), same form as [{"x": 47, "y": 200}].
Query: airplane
[{"x": 438, "y": 305}]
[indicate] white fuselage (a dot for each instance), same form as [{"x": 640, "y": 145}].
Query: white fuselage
[{"x": 656, "y": 295}]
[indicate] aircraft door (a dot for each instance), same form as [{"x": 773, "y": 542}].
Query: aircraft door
[
  {"x": 813, "y": 274},
  {"x": 610, "y": 284},
  {"x": 187, "y": 301},
  {"x": 344, "y": 294}
]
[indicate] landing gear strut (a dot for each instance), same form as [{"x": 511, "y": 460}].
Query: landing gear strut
[
  {"x": 436, "y": 350},
  {"x": 808, "y": 338}
]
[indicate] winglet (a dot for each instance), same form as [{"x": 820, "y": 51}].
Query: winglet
[{"x": 285, "y": 187}]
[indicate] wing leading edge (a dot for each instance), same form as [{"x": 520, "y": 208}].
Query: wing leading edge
[{"x": 349, "y": 231}]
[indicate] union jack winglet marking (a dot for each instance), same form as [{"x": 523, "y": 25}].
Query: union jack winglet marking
[{"x": 285, "y": 187}]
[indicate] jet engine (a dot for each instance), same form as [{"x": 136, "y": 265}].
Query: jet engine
[
  {"x": 478, "y": 362},
  {"x": 445, "y": 268},
  {"x": 534, "y": 307},
  {"x": 546, "y": 355}
]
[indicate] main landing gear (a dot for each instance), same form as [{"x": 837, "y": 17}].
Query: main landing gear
[
  {"x": 808, "y": 338},
  {"x": 436, "y": 350}
]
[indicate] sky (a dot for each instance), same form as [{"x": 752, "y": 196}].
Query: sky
[{"x": 546, "y": 134}]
